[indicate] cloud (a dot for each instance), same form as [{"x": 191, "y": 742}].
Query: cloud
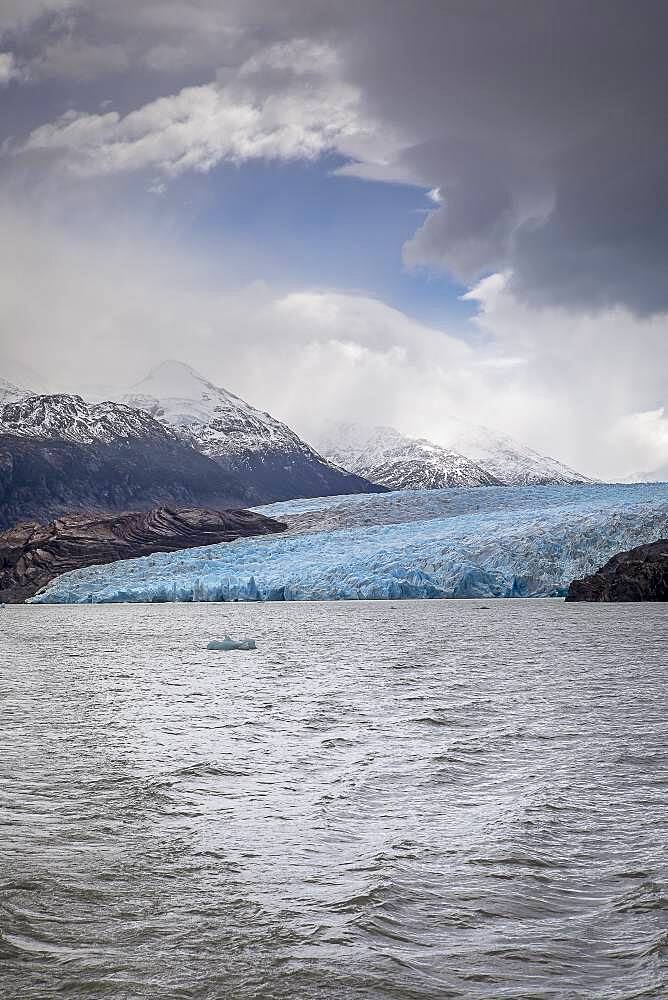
[
  {"x": 74, "y": 59},
  {"x": 104, "y": 304},
  {"x": 541, "y": 125},
  {"x": 8, "y": 68},
  {"x": 284, "y": 103},
  {"x": 645, "y": 435},
  {"x": 598, "y": 374},
  {"x": 535, "y": 130},
  {"x": 18, "y": 15}
]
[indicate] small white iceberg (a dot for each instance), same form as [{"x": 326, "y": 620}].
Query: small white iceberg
[{"x": 228, "y": 643}]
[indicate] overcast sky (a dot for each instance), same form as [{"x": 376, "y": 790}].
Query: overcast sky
[{"x": 380, "y": 210}]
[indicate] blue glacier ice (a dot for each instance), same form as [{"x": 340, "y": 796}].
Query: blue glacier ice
[{"x": 483, "y": 542}]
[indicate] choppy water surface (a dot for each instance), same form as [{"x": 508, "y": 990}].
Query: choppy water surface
[{"x": 414, "y": 800}]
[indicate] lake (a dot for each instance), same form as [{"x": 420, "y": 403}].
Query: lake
[{"x": 416, "y": 799}]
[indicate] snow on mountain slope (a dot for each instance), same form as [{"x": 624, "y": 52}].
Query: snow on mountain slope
[
  {"x": 10, "y": 393},
  {"x": 213, "y": 418},
  {"x": 68, "y": 417},
  {"x": 658, "y": 475},
  {"x": 60, "y": 454},
  {"x": 239, "y": 437},
  {"x": 505, "y": 542},
  {"x": 508, "y": 460},
  {"x": 383, "y": 455}
]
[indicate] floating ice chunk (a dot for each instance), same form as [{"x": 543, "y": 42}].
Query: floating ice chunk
[{"x": 228, "y": 643}]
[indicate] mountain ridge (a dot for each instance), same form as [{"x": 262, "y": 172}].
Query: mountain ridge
[
  {"x": 243, "y": 440},
  {"x": 385, "y": 456},
  {"x": 475, "y": 456},
  {"x": 68, "y": 417},
  {"x": 59, "y": 454}
]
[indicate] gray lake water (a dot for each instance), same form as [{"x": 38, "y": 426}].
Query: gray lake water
[{"x": 386, "y": 800}]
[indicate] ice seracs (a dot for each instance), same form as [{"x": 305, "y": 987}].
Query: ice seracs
[
  {"x": 496, "y": 542},
  {"x": 245, "y": 441}
]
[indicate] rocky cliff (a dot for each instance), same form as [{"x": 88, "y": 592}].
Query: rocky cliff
[
  {"x": 33, "y": 554},
  {"x": 641, "y": 574}
]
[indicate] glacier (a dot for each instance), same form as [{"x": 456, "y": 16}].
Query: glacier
[{"x": 469, "y": 542}]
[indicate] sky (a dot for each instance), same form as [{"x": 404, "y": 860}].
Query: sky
[{"x": 382, "y": 211}]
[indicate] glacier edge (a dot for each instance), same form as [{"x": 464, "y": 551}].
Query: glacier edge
[{"x": 478, "y": 542}]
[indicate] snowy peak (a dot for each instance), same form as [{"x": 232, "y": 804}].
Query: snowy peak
[
  {"x": 174, "y": 378},
  {"x": 475, "y": 456},
  {"x": 260, "y": 450},
  {"x": 391, "y": 459},
  {"x": 513, "y": 463},
  {"x": 215, "y": 420},
  {"x": 68, "y": 417},
  {"x": 179, "y": 394}
]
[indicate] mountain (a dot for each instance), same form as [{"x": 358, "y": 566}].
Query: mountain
[
  {"x": 511, "y": 462},
  {"x": 658, "y": 475},
  {"x": 70, "y": 418},
  {"x": 61, "y": 454},
  {"x": 384, "y": 456},
  {"x": 244, "y": 441},
  {"x": 476, "y": 456}
]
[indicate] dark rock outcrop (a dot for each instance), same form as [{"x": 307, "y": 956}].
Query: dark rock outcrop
[
  {"x": 33, "y": 554},
  {"x": 42, "y": 478},
  {"x": 641, "y": 574}
]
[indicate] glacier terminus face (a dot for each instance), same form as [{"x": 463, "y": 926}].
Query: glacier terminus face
[{"x": 478, "y": 542}]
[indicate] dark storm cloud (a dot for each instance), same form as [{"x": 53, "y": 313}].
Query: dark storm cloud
[
  {"x": 544, "y": 126},
  {"x": 542, "y": 123}
]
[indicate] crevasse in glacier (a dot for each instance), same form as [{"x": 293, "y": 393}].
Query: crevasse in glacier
[{"x": 483, "y": 542}]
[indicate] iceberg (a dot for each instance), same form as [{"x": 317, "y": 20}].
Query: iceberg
[
  {"x": 227, "y": 644},
  {"x": 451, "y": 543}
]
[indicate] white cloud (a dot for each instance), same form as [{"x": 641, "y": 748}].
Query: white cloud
[
  {"x": 601, "y": 376},
  {"x": 645, "y": 436},
  {"x": 107, "y": 308},
  {"x": 107, "y": 304},
  {"x": 9, "y": 69},
  {"x": 286, "y": 102}
]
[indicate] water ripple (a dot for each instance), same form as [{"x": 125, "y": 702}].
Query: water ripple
[{"x": 384, "y": 802}]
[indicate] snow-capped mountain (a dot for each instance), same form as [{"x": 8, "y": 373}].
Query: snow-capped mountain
[
  {"x": 511, "y": 462},
  {"x": 70, "y": 418},
  {"x": 383, "y": 455},
  {"x": 60, "y": 454},
  {"x": 475, "y": 456},
  {"x": 214, "y": 418},
  {"x": 658, "y": 475},
  {"x": 251, "y": 444}
]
